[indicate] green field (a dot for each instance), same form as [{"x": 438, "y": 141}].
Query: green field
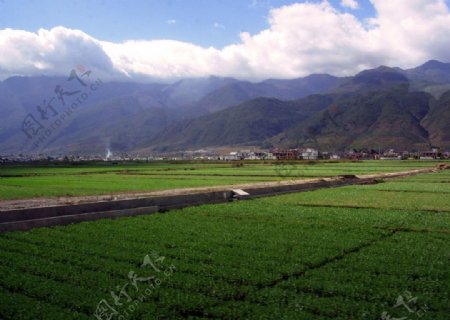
[
  {"x": 19, "y": 182},
  {"x": 357, "y": 252}
]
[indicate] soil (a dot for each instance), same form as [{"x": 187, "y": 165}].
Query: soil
[{"x": 6, "y": 205}]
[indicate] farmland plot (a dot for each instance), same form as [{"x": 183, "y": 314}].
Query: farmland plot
[
  {"x": 359, "y": 252},
  {"x": 22, "y": 182}
]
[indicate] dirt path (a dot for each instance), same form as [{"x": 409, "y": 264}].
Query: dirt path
[{"x": 56, "y": 201}]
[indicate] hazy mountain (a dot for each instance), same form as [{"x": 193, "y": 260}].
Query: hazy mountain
[
  {"x": 378, "y": 119},
  {"x": 432, "y": 77},
  {"x": 380, "y": 78},
  {"x": 120, "y": 128},
  {"x": 20, "y": 96},
  {"x": 375, "y": 109},
  {"x": 237, "y": 92},
  {"x": 125, "y": 114},
  {"x": 432, "y": 72},
  {"x": 251, "y": 122},
  {"x": 381, "y": 108},
  {"x": 437, "y": 122}
]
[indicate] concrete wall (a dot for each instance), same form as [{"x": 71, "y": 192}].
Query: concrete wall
[{"x": 25, "y": 219}]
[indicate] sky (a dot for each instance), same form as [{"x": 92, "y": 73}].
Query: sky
[{"x": 248, "y": 39}]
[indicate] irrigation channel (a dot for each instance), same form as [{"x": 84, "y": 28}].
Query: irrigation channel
[{"x": 32, "y": 213}]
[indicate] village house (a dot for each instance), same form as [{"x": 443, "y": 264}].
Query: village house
[
  {"x": 310, "y": 154},
  {"x": 285, "y": 154},
  {"x": 430, "y": 155},
  {"x": 391, "y": 154},
  {"x": 232, "y": 156}
]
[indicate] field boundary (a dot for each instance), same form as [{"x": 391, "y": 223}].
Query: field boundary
[{"x": 162, "y": 201}]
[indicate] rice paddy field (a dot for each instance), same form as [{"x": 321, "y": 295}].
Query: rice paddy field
[
  {"x": 377, "y": 251},
  {"x": 21, "y": 182}
]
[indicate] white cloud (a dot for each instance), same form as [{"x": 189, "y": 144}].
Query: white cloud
[
  {"x": 51, "y": 52},
  {"x": 218, "y": 25},
  {"x": 171, "y": 21},
  {"x": 259, "y": 4},
  {"x": 352, "y": 4},
  {"x": 303, "y": 38},
  {"x": 161, "y": 58}
]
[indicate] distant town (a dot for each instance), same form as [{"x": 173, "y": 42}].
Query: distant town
[{"x": 239, "y": 155}]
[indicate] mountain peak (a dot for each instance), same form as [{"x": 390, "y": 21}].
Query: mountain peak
[
  {"x": 377, "y": 78},
  {"x": 380, "y": 69},
  {"x": 432, "y": 64},
  {"x": 382, "y": 106}
]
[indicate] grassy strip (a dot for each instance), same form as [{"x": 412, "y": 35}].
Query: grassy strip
[
  {"x": 266, "y": 258},
  {"x": 20, "y": 182}
]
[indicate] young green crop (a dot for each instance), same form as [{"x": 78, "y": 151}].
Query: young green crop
[
  {"x": 21, "y": 181},
  {"x": 296, "y": 256}
]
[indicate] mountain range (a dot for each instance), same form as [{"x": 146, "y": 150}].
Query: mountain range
[{"x": 379, "y": 108}]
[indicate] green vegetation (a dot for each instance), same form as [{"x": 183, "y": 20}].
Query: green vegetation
[
  {"x": 18, "y": 182},
  {"x": 375, "y": 109},
  {"x": 344, "y": 253}
]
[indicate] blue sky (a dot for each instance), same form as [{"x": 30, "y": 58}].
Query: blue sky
[
  {"x": 204, "y": 22},
  {"x": 173, "y": 39}
]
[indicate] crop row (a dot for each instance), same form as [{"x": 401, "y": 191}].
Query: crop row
[
  {"x": 24, "y": 182},
  {"x": 14, "y": 305},
  {"x": 263, "y": 259},
  {"x": 257, "y": 266},
  {"x": 362, "y": 197}
]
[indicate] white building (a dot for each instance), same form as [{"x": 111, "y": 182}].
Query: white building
[
  {"x": 310, "y": 154},
  {"x": 232, "y": 156}
]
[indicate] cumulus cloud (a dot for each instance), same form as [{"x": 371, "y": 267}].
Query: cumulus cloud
[
  {"x": 413, "y": 31},
  {"x": 218, "y": 25},
  {"x": 171, "y": 21},
  {"x": 302, "y": 38},
  {"x": 259, "y": 4},
  {"x": 352, "y": 4},
  {"x": 51, "y": 52}
]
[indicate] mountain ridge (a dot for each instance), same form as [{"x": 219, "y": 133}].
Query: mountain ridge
[{"x": 129, "y": 117}]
